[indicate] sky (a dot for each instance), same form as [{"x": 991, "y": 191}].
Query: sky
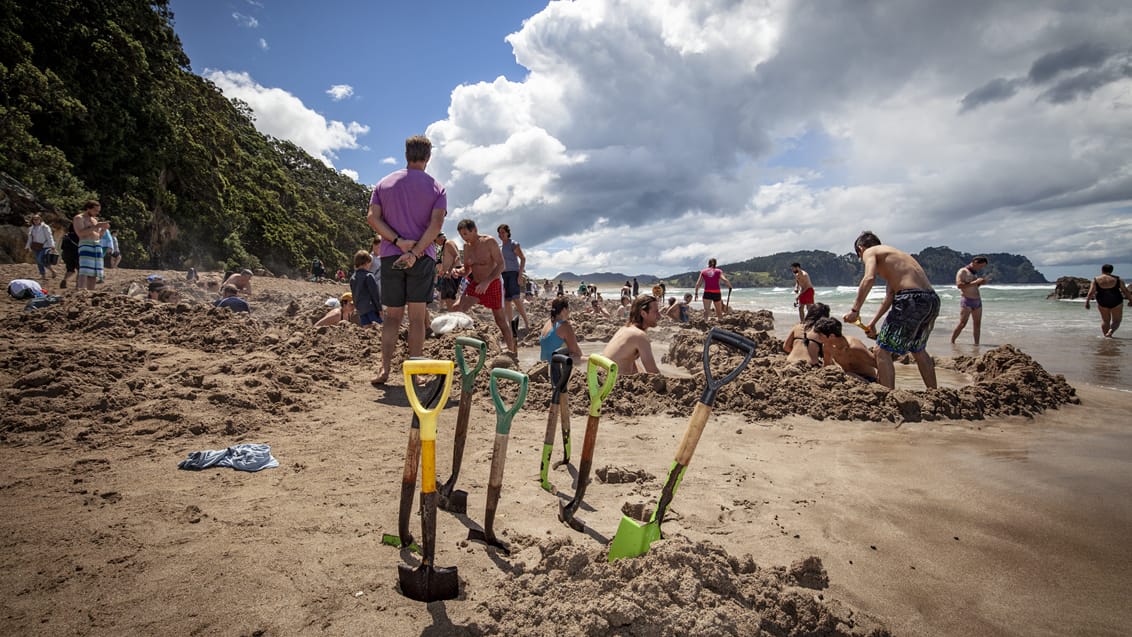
[{"x": 646, "y": 136}]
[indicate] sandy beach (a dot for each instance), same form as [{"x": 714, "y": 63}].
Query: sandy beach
[{"x": 815, "y": 505}]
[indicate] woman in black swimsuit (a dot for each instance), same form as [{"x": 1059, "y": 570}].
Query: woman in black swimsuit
[
  {"x": 1110, "y": 292},
  {"x": 811, "y": 350}
]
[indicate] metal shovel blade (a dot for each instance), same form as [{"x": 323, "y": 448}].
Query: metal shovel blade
[
  {"x": 428, "y": 583},
  {"x": 455, "y": 501},
  {"x": 633, "y": 538},
  {"x": 476, "y": 535}
]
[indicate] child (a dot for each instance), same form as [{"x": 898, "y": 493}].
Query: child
[{"x": 366, "y": 290}]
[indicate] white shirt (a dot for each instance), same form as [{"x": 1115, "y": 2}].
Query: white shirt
[{"x": 40, "y": 233}]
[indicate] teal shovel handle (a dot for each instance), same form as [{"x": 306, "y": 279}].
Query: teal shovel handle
[
  {"x": 502, "y": 413},
  {"x": 468, "y": 380}
]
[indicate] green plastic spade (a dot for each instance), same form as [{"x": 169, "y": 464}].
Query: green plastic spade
[{"x": 634, "y": 538}]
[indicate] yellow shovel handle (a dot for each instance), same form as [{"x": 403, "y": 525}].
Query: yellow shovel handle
[{"x": 427, "y": 416}]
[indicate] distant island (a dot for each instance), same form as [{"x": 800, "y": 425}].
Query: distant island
[{"x": 828, "y": 269}]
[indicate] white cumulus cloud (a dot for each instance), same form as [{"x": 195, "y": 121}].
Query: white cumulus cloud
[
  {"x": 281, "y": 114},
  {"x": 339, "y": 92},
  {"x": 649, "y": 135},
  {"x": 263, "y": 44}
]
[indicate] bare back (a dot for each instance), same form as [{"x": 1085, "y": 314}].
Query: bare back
[
  {"x": 898, "y": 268},
  {"x": 629, "y": 344},
  {"x": 853, "y": 356}
]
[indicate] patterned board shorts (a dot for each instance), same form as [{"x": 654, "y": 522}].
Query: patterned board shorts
[{"x": 910, "y": 321}]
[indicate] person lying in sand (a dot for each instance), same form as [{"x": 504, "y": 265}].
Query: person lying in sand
[
  {"x": 631, "y": 343},
  {"x": 800, "y": 344},
  {"x": 242, "y": 280},
  {"x": 848, "y": 352},
  {"x": 597, "y": 308},
  {"x": 343, "y": 313}
]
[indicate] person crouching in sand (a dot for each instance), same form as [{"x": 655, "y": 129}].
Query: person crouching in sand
[
  {"x": 914, "y": 303},
  {"x": 848, "y": 352},
  {"x": 631, "y": 343}
]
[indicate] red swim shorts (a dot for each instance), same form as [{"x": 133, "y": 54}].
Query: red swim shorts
[
  {"x": 806, "y": 297},
  {"x": 492, "y": 299}
]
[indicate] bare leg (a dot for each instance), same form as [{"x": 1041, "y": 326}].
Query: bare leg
[
  {"x": 505, "y": 328},
  {"x": 886, "y": 373},
  {"x": 418, "y": 316},
  {"x": 707, "y": 309},
  {"x": 977, "y": 322},
  {"x": 963, "y": 314},
  {"x": 802, "y": 313},
  {"x": 390, "y": 329},
  {"x": 1117, "y": 316},
  {"x": 718, "y": 308},
  {"x": 1106, "y": 318},
  {"x": 927, "y": 368},
  {"x": 523, "y": 312}
]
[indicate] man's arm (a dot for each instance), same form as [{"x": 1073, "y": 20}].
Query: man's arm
[
  {"x": 376, "y": 220},
  {"x": 644, "y": 350},
  {"x": 867, "y": 281},
  {"x": 522, "y": 258},
  {"x": 889, "y": 295},
  {"x": 433, "y": 229}
]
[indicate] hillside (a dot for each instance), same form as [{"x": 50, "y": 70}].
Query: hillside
[
  {"x": 97, "y": 101},
  {"x": 828, "y": 269}
]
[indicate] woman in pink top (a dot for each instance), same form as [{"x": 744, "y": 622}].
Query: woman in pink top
[{"x": 710, "y": 278}]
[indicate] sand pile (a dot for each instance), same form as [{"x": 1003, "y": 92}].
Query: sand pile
[{"x": 678, "y": 588}]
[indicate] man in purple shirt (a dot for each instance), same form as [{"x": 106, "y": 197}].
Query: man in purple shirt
[{"x": 407, "y": 210}]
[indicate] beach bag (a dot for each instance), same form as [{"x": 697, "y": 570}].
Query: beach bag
[
  {"x": 52, "y": 257},
  {"x": 36, "y": 246}
]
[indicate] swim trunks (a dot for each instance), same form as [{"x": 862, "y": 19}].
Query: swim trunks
[
  {"x": 910, "y": 322},
  {"x": 806, "y": 297},
  {"x": 511, "y": 285},
  {"x": 1109, "y": 297},
  {"x": 90, "y": 258},
  {"x": 969, "y": 303},
  {"x": 492, "y": 298},
  {"x": 713, "y": 296}
]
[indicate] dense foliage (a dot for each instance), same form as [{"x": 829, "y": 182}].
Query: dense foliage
[
  {"x": 828, "y": 269},
  {"x": 97, "y": 100}
]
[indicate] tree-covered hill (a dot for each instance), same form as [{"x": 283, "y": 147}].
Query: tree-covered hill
[
  {"x": 97, "y": 101},
  {"x": 828, "y": 269}
]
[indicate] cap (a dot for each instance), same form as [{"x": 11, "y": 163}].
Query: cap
[
  {"x": 246, "y": 272},
  {"x": 346, "y": 298}
]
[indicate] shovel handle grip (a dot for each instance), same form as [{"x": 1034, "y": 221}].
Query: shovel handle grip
[
  {"x": 734, "y": 341},
  {"x": 427, "y": 416},
  {"x": 468, "y": 377},
  {"x": 598, "y": 393},
  {"x": 561, "y": 366},
  {"x": 503, "y": 414}
]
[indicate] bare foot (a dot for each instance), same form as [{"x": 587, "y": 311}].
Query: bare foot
[{"x": 379, "y": 380}]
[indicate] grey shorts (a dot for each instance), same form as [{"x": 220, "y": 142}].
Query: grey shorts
[
  {"x": 511, "y": 285},
  {"x": 412, "y": 285}
]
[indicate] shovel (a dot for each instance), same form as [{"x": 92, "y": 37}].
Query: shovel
[
  {"x": 404, "y": 538},
  {"x": 499, "y": 454},
  {"x": 427, "y": 583},
  {"x": 597, "y": 394},
  {"x": 454, "y": 500},
  {"x": 561, "y": 366},
  {"x": 632, "y": 537}
]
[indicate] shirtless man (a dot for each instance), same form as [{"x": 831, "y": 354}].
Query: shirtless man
[
  {"x": 90, "y": 230},
  {"x": 483, "y": 265},
  {"x": 914, "y": 303},
  {"x": 447, "y": 271},
  {"x": 968, "y": 281},
  {"x": 242, "y": 280},
  {"x": 803, "y": 290},
  {"x": 631, "y": 342},
  {"x": 848, "y": 352}
]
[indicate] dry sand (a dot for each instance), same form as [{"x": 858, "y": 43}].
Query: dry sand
[{"x": 815, "y": 505}]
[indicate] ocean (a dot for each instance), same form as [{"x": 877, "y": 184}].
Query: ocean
[{"x": 1060, "y": 334}]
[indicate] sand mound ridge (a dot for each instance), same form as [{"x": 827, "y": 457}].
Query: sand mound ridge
[{"x": 679, "y": 587}]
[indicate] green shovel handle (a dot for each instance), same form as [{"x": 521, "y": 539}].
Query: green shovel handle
[
  {"x": 502, "y": 413},
  {"x": 598, "y": 394},
  {"x": 468, "y": 380},
  {"x": 427, "y": 416}
]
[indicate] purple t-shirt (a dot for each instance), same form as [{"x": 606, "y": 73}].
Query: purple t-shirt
[{"x": 407, "y": 198}]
